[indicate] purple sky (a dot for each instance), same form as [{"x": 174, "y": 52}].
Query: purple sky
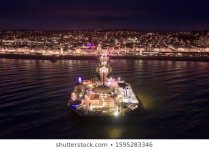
[{"x": 104, "y": 14}]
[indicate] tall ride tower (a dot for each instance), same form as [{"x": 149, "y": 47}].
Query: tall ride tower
[{"x": 104, "y": 68}]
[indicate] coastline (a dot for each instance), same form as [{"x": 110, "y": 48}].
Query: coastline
[{"x": 72, "y": 57}]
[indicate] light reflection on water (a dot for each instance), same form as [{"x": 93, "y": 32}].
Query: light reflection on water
[
  {"x": 115, "y": 133},
  {"x": 34, "y": 93}
]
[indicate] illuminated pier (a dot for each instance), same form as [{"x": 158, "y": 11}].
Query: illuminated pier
[{"x": 102, "y": 96}]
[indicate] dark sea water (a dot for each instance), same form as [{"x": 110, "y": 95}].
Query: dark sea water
[{"x": 34, "y": 94}]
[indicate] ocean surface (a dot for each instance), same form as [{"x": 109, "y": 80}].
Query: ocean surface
[{"x": 34, "y": 96}]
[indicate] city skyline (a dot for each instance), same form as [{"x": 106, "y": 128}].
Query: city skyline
[{"x": 148, "y": 15}]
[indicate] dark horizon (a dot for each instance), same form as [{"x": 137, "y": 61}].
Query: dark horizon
[
  {"x": 102, "y": 30},
  {"x": 144, "y": 15}
]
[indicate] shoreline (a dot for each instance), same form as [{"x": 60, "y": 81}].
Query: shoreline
[{"x": 54, "y": 58}]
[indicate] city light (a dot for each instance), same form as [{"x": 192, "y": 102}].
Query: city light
[
  {"x": 79, "y": 80},
  {"x": 134, "y": 44},
  {"x": 116, "y": 114}
]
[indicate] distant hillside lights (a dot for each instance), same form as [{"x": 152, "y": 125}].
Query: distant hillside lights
[
  {"x": 78, "y": 51},
  {"x": 168, "y": 51}
]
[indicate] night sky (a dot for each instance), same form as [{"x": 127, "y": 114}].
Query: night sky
[{"x": 104, "y": 14}]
